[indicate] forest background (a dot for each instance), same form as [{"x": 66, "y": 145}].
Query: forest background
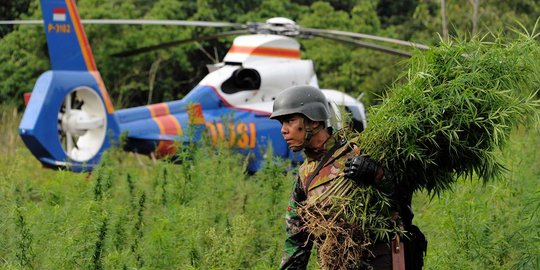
[
  {"x": 170, "y": 73},
  {"x": 206, "y": 213}
]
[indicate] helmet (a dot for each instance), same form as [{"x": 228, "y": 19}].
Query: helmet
[{"x": 306, "y": 100}]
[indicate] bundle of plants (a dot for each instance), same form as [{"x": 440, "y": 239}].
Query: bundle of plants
[
  {"x": 458, "y": 105},
  {"x": 345, "y": 221}
]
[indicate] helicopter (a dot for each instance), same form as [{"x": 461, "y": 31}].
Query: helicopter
[{"x": 70, "y": 119}]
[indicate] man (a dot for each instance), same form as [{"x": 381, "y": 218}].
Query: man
[{"x": 303, "y": 112}]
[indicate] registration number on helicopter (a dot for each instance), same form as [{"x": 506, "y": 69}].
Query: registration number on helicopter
[{"x": 59, "y": 28}]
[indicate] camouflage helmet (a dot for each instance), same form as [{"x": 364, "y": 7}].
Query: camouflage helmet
[{"x": 305, "y": 99}]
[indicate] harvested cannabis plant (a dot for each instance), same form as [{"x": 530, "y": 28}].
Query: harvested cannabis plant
[{"x": 459, "y": 105}]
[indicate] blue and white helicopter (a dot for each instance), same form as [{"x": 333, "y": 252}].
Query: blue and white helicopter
[{"x": 70, "y": 119}]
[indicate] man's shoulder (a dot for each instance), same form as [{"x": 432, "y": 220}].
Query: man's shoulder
[
  {"x": 336, "y": 164},
  {"x": 306, "y": 168},
  {"x": 349, "y": 146}
]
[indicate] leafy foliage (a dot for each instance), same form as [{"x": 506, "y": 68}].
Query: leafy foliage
[
  {"x": 170, "y": 74},
  {"x": 10, "y": 10},
  {"x": 153, "y": 217},
  {"x": 492, "y": 226},
  {"x": 458, "y": 107}
]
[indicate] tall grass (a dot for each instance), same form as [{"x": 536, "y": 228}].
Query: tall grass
[
  {"x": 492, "y": 226},
  {"x": 9, "y": 118},
  {"x": 205, "y": 213}
]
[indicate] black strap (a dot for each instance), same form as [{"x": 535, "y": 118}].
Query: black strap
[
  {"x": 323, "y": 161},
  {"x": 292, "y": 260}
]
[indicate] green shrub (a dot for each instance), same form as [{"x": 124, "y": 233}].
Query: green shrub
[{"x": 458, "y": 107}]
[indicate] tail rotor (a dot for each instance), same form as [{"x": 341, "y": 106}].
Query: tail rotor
[{"x": 82, "y": 124}]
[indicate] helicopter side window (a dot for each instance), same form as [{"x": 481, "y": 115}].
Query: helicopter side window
[{"x": 242, "y": 79}]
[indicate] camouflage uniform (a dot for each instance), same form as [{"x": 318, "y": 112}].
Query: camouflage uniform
[{"x": 298, "y": 243}]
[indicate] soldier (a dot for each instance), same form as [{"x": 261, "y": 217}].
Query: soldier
[{"x": 304, "y": 115}]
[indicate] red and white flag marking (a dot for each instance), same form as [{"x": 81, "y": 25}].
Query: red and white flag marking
[{"x": 59, "y": 14}]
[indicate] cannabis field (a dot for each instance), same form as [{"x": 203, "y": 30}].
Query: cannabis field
[{"x": 205, "y": 213}]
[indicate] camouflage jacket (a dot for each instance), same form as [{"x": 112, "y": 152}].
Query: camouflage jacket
[{"x": 298, "y": 244}]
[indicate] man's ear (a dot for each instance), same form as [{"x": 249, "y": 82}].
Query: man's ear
[{"x": 314, "y": 124}]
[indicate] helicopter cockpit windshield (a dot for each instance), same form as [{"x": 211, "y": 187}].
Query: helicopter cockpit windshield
[{"x": 242, "y": 79}]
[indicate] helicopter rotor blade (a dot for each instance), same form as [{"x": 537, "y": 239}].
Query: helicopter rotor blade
[
  {"x": 314, "y": 31},
  {"x": 140, "y": 22},
  {"x": 364, "y": 45},
  {"x": 21, "y": 22},
  {"x": 253, "y": 28},
  {"x": 176, "y": 43},
  {"x": 165, "y": 22}
]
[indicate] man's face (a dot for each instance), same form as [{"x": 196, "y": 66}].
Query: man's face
[{"x": 293, "y": 131}]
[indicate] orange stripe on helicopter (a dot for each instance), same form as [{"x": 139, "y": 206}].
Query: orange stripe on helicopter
[
  {"x": 87, "y": 54},
  {"x": 168, "y": 124},
  {"x": 265, "y": 51},
  {"x": 172, "y": 127},
  {"x": 195, "y": 114},
  {"x": 81, "y": 36},
  {"x": 158, "y": 109}
]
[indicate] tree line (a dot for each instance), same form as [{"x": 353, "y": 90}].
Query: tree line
[{"x": 171, "y": 73}]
